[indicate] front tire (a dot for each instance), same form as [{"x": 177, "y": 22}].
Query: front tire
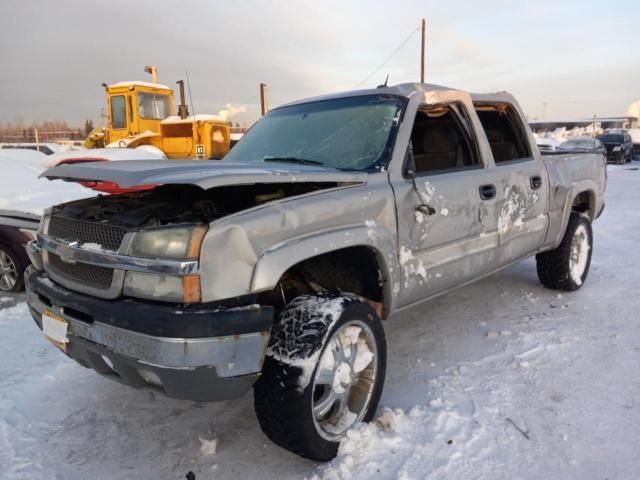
[
  {"x": 566, "y": 267},
  {"x": 323, "y": 373}
]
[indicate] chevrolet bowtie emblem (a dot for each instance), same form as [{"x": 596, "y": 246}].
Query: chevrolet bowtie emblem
[{"x": 65, "y": 252}]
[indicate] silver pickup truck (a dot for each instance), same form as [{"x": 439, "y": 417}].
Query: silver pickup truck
[{"x": 274, "y": 267}]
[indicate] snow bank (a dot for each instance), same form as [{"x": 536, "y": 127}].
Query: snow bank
[
  {"x": 562, "y": 134},
  {"x": 22, "y": 190}
]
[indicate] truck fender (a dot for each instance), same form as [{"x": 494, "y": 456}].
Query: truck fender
[
  {"x": 275, "y": 261},
  {"x": 571, "y": 194}
]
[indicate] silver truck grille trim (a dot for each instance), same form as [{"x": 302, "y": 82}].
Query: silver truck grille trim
[
  {"x": 72, "y": 254},
  {"x": 72, "y": 230},
  {"x": 72, "y": 282}
]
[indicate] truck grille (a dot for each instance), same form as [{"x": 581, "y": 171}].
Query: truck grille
[
  {"x": 108, "y": 236},
  {"x": 84, "y": 273}
]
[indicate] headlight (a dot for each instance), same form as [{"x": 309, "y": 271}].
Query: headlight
[
  {"x": 617, "y": 149},
  {"x": 173, "y": 243},
  {"x": 166, "y": 288},
  {"x": 178, "y": 243}
]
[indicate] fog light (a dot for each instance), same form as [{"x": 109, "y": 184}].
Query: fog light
[
  {"x": 150, "y": 377},
  {"x": 109, "y": 363}
]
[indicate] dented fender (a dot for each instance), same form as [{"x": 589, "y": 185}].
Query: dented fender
[
  {"x": 274, "y": 262},
  {"x": 248, "y": 251}
]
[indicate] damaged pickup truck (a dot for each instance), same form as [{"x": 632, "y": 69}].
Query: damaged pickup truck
[{"x": 274, "y": 267}]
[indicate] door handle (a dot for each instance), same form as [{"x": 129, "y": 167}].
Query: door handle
[
  {"x": 425, "y": 209},
  {"x": 536, "y": 182},
  {"x": 487, "y": 192}
]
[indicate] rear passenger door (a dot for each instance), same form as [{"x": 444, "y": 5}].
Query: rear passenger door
[
  {"x": 440, "y": 205},
  {"x": 521, "y": 180}
]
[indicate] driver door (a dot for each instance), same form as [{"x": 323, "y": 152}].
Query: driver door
[{"x": 444, "y": 206}]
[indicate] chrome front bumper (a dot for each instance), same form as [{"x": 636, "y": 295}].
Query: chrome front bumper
[{"x": 205, "y": 368}]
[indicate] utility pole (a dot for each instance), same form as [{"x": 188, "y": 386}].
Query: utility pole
[
  {"x": 423, "y": 49},
  {"x": 593, "y": 128},
  {"x": 264, "y": 99}
]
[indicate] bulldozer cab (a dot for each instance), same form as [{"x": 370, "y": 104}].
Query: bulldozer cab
[
  {"x": 142, "y": 114},
  {"x": 136, "y": 108}
]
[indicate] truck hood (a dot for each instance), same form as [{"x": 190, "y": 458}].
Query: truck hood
[{"x": 204, "y": 174}]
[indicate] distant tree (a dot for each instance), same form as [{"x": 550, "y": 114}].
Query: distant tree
[{"x": 88, "y": 127}]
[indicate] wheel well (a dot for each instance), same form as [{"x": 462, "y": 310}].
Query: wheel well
[
  {"x": 583, "y": 203},
  {"x": 354, "y": 270}
]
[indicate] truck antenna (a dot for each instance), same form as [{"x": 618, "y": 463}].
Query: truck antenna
[{"x": 186, "y": 72}]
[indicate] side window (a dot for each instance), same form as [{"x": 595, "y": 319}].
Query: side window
[
  {"x": 440, "y": 142},
  {"x": 505, "y": 132},
  {"x": 118, "y": 112}
]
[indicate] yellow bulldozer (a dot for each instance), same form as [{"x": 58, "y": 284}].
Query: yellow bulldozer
[{"x": 142, "y": 114}]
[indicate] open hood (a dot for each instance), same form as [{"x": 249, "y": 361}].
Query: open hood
[{"x": 204, "y": 174}]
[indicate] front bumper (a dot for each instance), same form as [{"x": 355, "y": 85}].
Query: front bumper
[
  {"x": 197, "y": 353},
  {"x": 615, "y": 157}
]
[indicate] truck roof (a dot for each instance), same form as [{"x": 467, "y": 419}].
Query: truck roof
[{"x": 406, "y": 90}]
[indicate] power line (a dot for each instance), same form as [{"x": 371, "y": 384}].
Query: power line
[{"x": 413, "y": 32}]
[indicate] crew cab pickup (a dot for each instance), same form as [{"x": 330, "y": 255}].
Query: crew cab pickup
[{"x": 274, "y": 267}]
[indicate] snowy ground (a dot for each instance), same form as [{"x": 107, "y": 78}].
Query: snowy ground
[{"x": 499, "y": 380}]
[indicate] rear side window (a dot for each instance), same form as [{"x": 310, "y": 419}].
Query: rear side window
[
  {"x": 118, "y": 112},
  {"x": 440, "y": 141},
  {"x": 505, "y": 132}
]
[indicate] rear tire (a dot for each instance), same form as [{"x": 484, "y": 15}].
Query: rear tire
[
  {"x": 11, "y": 271},
  {"x": 304, "y": 397},
  {"x": 566, "y": 267}
]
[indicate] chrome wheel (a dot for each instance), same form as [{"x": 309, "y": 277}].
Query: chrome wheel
[
  {"x": 344, "y": 379},
  {"x": 8, "y": 272}
]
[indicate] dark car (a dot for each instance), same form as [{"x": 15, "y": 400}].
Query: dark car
[
  {"x": 23, "y": 197},
  {"x": 16, "y": 229},
  {"x": 582, "y": 145},
  {"x": 619, "y": 146}
]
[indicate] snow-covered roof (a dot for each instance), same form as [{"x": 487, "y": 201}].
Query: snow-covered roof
[
  {"x": 192, "y": 118},
  {"x": 403, "y": 89},
  {"x": 140, "y": 84}
]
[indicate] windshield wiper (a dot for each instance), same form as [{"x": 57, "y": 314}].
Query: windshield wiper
[{"x": 302, "y": 161}]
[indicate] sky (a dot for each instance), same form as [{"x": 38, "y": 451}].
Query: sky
[{"x": 562, "y": 59}]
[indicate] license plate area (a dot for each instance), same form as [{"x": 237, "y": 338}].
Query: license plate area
[{"x": 55, "y": 329}]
